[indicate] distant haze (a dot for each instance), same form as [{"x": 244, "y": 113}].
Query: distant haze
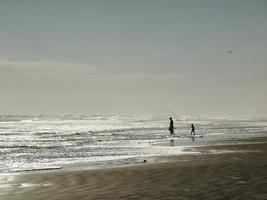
[{"x": 174, "y": 57}]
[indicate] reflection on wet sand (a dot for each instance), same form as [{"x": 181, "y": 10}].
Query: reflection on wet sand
[{"x": 240, "y": 175}]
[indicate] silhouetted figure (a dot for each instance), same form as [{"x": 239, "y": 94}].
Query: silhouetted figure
[
  {"x": 171, "y": 127},
  {"x": 193, "y": 129}
]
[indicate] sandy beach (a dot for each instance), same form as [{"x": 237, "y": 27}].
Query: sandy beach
[{"x": 221, "y": 172}]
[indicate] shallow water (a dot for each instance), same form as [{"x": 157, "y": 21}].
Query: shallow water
[
  {"x": 241, "y": 174},
  {"x": 83, "y": 142}
]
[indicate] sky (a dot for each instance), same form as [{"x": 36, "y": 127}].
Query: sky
[{"x": 134, "y": 57}]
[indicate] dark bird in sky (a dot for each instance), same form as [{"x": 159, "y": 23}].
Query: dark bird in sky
[{"x": 229, "y": 52}]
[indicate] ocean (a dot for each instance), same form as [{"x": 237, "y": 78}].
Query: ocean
[{"x": 71, "y": 142}]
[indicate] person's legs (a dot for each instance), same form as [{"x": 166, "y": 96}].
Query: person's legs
[{"x": 171, "y": 130}]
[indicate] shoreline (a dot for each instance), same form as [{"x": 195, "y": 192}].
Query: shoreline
[{"x": 240, "y": 170}]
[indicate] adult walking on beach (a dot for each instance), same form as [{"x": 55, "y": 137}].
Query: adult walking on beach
[
  {"x": 171, "y": 128},
  {"x": 193, "y": 129}
]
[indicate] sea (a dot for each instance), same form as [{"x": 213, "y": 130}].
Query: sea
[{"x": 70, "y": 142}]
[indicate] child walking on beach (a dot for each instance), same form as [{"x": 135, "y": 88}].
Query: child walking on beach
[{"x": 193, "y": 129}]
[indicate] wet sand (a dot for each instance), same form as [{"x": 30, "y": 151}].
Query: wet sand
[{"x": 229, "y": 172}]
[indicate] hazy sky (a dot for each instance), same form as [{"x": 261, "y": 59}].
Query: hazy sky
[{"x": 133, "y": 57}]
